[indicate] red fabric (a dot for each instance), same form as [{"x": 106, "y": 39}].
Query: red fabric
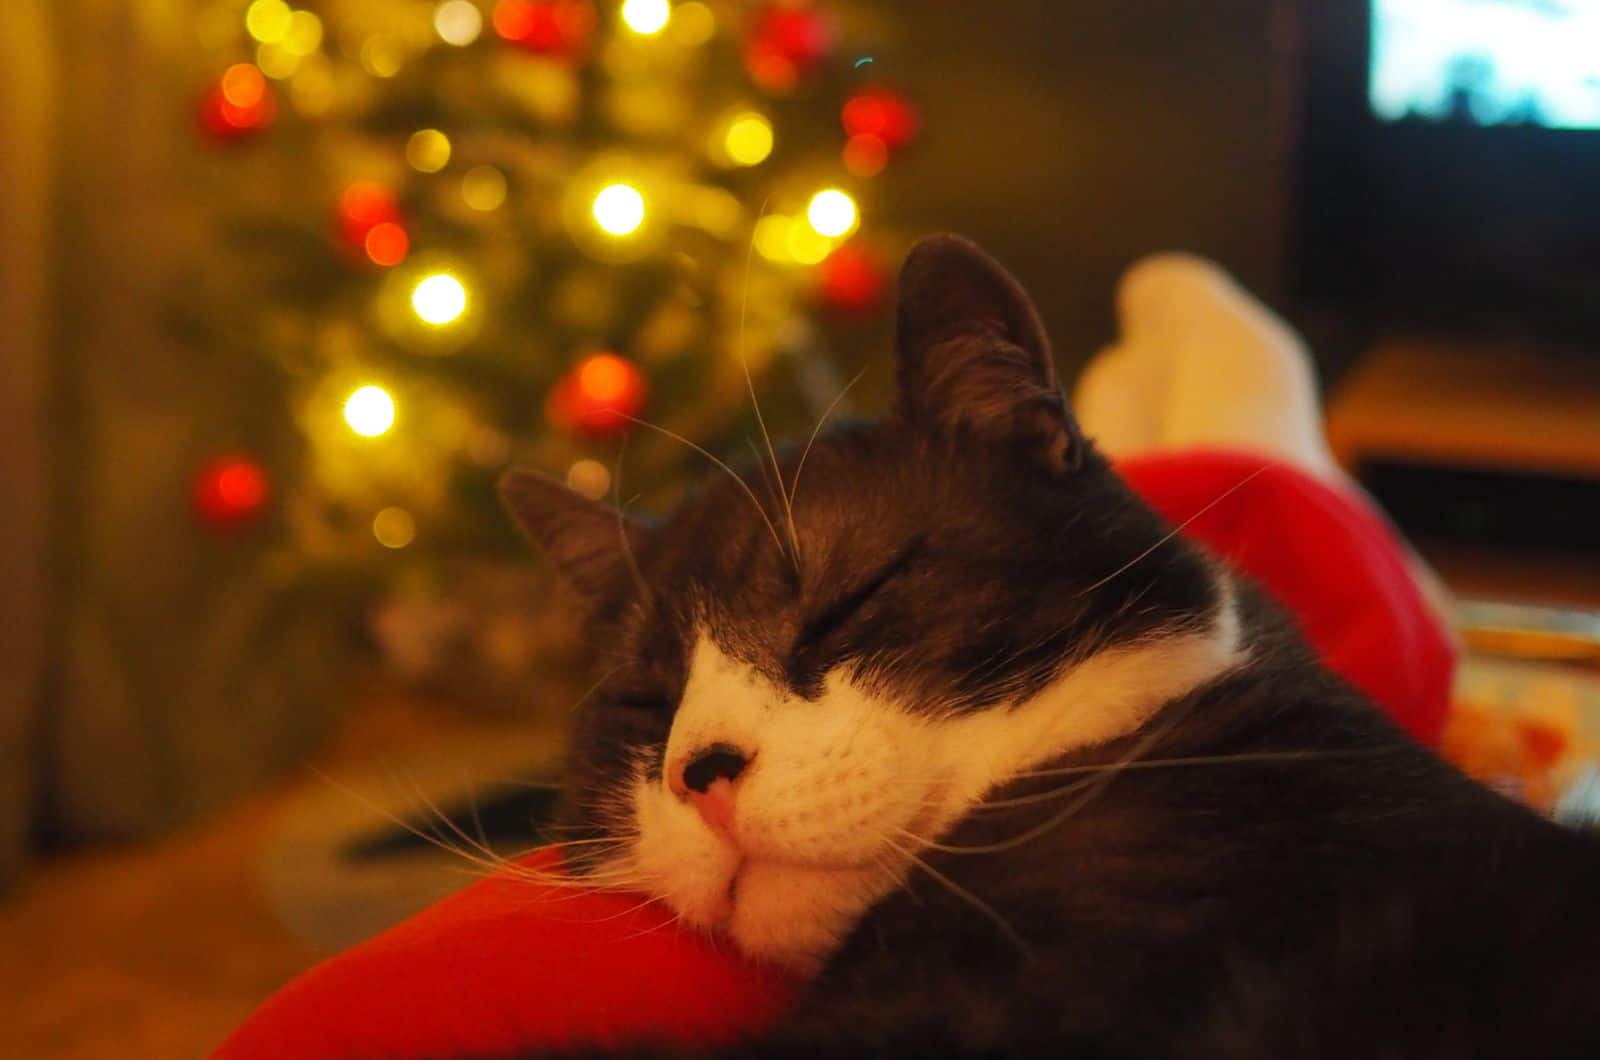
[
  {"x": 508, "y": 962},
  {"x": 1329, "y": 558}
]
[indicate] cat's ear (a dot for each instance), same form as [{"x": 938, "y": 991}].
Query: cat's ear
[
  {"x": 974, "y": 358},
  {"x": 586, "y": 540}
]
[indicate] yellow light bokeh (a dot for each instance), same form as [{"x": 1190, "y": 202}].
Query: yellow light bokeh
[
  {"x": 618, "y": 209},
  {"x": 806, "y": 245},
  {"x": 268, "y": 20},
  {"x": 304, "y": 35},
  {"x": 428, "y": 150},
  {"x": 748, "y": 140},
  {"x": 381, "y": 56},
  {"x": 832, "y": 213},
  {"x": 646, "y": 17},
  {"x": 394, "y": 528},
  {"x": 772, "y": 237},
  {"x": 458, "y": 22},
  {"x": 369, "y": 411},
  {"x": 276, "y": 61},
  {"x": 483, "y": 188},
  {"x": 590, "y": 478},
  {"x": 439, "y": 299},
  {"x": 693, "y": 23}
]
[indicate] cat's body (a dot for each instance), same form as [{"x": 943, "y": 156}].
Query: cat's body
[{"x": 957, "y": 727}]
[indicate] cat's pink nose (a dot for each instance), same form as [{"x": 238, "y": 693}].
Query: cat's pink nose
[{"x": 708, "y": 779}]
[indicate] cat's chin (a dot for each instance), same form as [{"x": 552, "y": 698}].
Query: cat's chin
[{"x": 795, "y": 916}]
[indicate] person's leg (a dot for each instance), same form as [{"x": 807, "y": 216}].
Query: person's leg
[{"x": 1201, "y": 363}]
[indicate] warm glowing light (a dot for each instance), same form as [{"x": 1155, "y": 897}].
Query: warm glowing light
[
  {"x": 619, "y": 209},
  {"x": 369, "y": 411},
  {"x": 312, "y": 88},
  {"x": 428, "y": 150},
  {"x": 865, "y": 155},
  {"x": 693, "y": 23},
  {"x": 589, "y": 478},
  {"x": 604, "y": 378},
  {"x": 749, "y": 139},
  {"x": 243, "y": 86},
  {"x": 276, "y": 61},
  {"x": 386, "y": 243},
  {"x": 381, "y": 57},
  {"x": 439, "y": 299},
  {"x": 832, "y": 213},
  {"x": 806, "y": 246},
  {"x": 458, "y": 22},
  {"x": 394, "y": 528},
  {"x": 304, "y": 35},
  {"x": 646, "y": 17},
  {"x": 268, "y": 20},
  {"x": 483, "y": 188},
  {"x": 772, "y": 237}
]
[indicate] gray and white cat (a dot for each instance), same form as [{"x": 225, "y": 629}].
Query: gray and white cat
[{"x": 963, "y": 732}]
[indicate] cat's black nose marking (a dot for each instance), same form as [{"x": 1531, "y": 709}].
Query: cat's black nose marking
[{"x": 720, "y": 760}]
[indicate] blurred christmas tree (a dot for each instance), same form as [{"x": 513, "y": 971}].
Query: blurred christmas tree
[{"x": 475, "y": 233}]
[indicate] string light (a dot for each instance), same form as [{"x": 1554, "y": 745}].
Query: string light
[
  {"x": 304, "y": 35},
  {"x": 483, "y": 188},
  {"x": 243, "y": 86},
  {"x": 693, "y": 23},
  {"x": 590, "y": 478},
  {"x": 268, "y": 20},
  {"x": 646, "y": 17},
  {"x": 381, "y": 57},
  {"x": 386, "y": 243},
  {"x": 619, "y": 209},
  {"x": 369, "y": 411},
  {"x": 428, "y": 150},
  {"x": 439, "y": 299},
  {"x": 832, "y": 213},
  {"x": 748, "y": 140},
  {"x": 394, "y": 528},
  {"x": 458, "y": 22}
]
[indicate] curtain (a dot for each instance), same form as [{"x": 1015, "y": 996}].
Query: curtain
[{"x": 151, "y": 668}]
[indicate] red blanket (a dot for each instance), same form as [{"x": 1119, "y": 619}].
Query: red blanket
[{"x": 507, "y": 963}]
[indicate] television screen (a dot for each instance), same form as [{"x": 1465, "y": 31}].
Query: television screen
[{"x": 1487, "y": 62}]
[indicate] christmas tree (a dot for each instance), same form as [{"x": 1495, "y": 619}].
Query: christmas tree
[{"x": 551, "y": 232}]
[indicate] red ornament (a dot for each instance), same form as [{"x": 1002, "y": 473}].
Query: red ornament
[
  {"x": 238, "y": 106},
  {"x": 786, "y": 44},
  {"x": 369, "y": 222},
  {"x": 881, "y": 113},
  {"x": 546, "y": 27},
  {"x": 597, "y": 397},
  {"x": 230, "y": 493},
  {"x": 852, "y": 279}
]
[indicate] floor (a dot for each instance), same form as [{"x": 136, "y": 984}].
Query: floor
[{"x": 159, "y": 950}]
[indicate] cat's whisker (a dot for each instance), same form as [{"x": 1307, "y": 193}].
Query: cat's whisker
[
  {"x": 749, "y": 382},
  {"x": 1175, "y": 531},
  {"x": 743, "y": 485},
  {"x": 1247, "y": 758},
  {"x": 645, "y": 596},
  {"x": 987, "y": 910},
  {"x": 794, "y": 486}
]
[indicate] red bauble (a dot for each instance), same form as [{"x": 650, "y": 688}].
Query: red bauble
[
  {"x": 786, "y": 44},
  {"x": 231, "y": 492},
  {"x": 852, "y": 279},
  {"x": 238, "y": 106},
  {"x": 546, "y": 27},
  {"x": 598, "y": 397},
  {"x": 882, "y": 113}
]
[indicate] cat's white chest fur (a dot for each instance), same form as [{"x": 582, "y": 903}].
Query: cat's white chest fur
[{"x": 843, "y": 791}]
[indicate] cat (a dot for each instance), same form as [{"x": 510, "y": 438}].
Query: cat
[{"x": 951, "y": 724}]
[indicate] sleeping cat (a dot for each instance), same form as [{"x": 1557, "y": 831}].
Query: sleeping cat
[{"x": 951, "y": 723}]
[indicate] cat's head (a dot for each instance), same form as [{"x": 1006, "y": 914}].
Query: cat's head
[{"x": 803, "y": 680}]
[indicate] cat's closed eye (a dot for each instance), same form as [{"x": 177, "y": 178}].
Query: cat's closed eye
[{"x": 833, "y": 618}]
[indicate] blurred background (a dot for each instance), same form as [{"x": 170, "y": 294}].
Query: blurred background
[{"x": 284, "y": 285}]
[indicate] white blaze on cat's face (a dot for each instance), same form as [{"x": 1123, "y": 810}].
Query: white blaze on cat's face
[{"x": 842, "y": 790}]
